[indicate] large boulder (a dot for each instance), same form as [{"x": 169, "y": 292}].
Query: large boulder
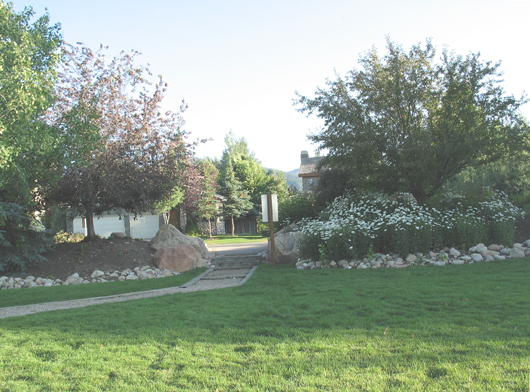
[
  {"x": 168, "y": 235},
  {"x": 287, "y": 242},
  {"x": 178, "y": 258}
]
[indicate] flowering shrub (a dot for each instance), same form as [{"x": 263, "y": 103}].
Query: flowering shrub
[{"x": 352, "y": 225}]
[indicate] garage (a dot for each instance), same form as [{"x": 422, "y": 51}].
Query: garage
[
  {"x": 145, "y": 226},
  {"x": 104, "y": 226}
]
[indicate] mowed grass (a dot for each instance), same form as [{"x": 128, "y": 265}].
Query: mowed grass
[
  {"x": 454, "y": 328},
  {"x": 37, "y": 295}
]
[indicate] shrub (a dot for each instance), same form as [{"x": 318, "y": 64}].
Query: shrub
[
  {"x": 63, "y": 237},
  {"x": 22, "y": 241},
  {"x": 193, "y": 229},
  {"x": 295, "y": 208},
  {"x": 353, "y": 224},
  {"x": 58, "y": 221}
]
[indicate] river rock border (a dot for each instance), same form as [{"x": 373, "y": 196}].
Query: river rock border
[
  {"x": 138, "y": 273},
  {"x": 475, "y": 254}
]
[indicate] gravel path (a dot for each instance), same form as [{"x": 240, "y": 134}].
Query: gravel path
[{"x": 195, "y": 284}]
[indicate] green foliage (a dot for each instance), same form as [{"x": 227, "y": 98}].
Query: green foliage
[
  {"x": 333, "y": 183},
  {"x": 21, "y": 246},
  {"x": 192, "y": 228},
  {"x": 58, "y": 220},
  {"x": 406, "y": 123},
  {"x": 237, "y": 201},
  {"x": 296, "y": 207},
  {"x": 127, "y": 154},
  {"x": 208, "y": 202},
  {"x": 310, "y": 246},
  {"x": 510, "y": 175},
  {"x": 249, "y": 172},
  {"x": 63, "y": 237},
  {"x": 175, "y": 198},
  {"x": 353, "y": 225},
  {"x": 28, "y": 58}
]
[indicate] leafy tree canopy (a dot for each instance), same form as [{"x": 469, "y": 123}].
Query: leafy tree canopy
[
  {"x": 254, "y": 179},
  {"x": 124, "y": 153},
  {"x": 237, "y": 201},
  {"x": 407, "y": 122},
  {"x": 28, "y": 58}
]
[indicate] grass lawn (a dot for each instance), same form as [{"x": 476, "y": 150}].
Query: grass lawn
[
  {"x": 37, "y": 295},
  {"x": 454, "y": 328},
  {"x": 237, "y": 239}
]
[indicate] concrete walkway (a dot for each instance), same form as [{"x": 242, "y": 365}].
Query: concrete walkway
[
  {"x": 250, "y": 248},
  {"x": 196, "y": 284}
]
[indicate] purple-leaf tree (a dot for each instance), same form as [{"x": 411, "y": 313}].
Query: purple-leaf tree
[{"x": 123, "y": 153}]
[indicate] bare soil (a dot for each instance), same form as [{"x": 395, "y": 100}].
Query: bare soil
[
  {"x": 119, "y": 254},
  {"x": 84, "y": 258}
]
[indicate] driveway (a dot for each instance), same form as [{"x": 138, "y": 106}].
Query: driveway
[{"x": 251, "y": 248}]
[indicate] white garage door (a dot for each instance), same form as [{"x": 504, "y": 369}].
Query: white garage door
[
  {"x": 107, "y": 224},
  {"x": 145, "y": 226},
  {"x": 103, "y": 226},
  {"x": 79, "y": 226}
]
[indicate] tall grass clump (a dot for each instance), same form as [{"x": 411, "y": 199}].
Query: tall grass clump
[{"x": 358, "y": 224}]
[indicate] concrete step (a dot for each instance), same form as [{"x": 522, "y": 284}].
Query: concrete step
[
  {"x": 236, "y": 261},
  {"x": 236, "y": 258},
  {"x": 224, "y": 277}
]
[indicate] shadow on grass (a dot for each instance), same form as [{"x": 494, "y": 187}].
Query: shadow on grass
[
  {"x": 485, "y": 297},
  {"x": 407, "y": 329}
]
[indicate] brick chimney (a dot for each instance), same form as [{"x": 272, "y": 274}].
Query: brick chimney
[{"x": 304, "y": 154}]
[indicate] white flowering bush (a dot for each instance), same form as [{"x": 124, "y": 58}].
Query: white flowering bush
[{"x": 356, "y": 225}]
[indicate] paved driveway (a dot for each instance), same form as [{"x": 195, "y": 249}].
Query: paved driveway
[{"x": 251, "y": 248}]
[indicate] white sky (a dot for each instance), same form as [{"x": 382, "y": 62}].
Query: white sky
[{"x": 238, "y": 63}]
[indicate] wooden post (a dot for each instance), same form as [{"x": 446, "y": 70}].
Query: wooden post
[{"x": 271, "y": 226}]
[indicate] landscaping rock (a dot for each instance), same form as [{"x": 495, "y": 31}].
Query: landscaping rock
[
  {"x": 168, "y": 236},
  {"x": 343, "y": 263},
  {"x": 516, "y": 252},
  {"x": 453, "y": 252},
  {"x": 286, "y": 243},
  {"x": 178, "y": 258},
  {"x": 477, "y": 257}
]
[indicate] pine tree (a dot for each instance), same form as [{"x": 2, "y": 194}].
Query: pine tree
[
  {"x": 207, "y": 203},
  {"x": 237, "y": 200}
]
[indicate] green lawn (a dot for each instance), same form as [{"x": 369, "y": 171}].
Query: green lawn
[
  {"x": 16, "y": 297},
  {"x": 454, "y": 328},
  {"x": 237, "y": 239}
]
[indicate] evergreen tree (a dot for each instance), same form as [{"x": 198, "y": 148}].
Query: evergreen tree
[
  {"x": 237, "y": 201},
  {"x": 207, "y": 203}
]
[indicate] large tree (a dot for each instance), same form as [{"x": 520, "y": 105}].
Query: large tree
[
  {"x": 249, "y": 171},
  {"x": 207, "y": 203},
  {"x": 28, "y": 58},
  {"x": 237, "y": 201},
  {"x": 132, "y": 155},
  {"x": 409, "y": 122}
]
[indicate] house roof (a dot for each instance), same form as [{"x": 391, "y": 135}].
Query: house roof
[{"x": 308, "y": 167}]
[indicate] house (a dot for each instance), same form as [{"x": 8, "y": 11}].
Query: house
[
  {"x": 144, "y": 226},
  {"x": 308, "y": 171}
]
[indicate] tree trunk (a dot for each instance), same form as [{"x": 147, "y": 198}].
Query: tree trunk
[
  {"x": 91, "y": 232},
  {"x": 209, "y": 228},
  {"x": 233, "y": 231}
]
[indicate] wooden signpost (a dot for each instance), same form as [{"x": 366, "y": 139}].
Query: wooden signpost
[{"x": 269, "y": 210}]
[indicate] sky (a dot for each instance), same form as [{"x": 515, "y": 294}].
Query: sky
[{"x": 239, "y": 63}]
